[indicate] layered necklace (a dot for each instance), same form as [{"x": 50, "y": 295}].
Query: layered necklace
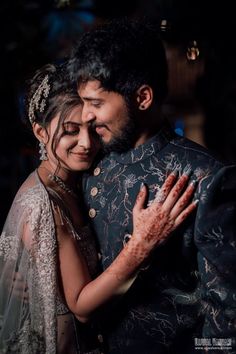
[{"x": 59, "y": 181}]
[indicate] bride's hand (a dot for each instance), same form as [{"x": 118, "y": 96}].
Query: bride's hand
[{"x": 152, "y": 225}]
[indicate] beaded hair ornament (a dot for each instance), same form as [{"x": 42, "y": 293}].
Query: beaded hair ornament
[{"x": 38, "y": 100}]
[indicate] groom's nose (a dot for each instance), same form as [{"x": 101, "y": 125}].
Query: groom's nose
[{"x": 87, "y": 115}]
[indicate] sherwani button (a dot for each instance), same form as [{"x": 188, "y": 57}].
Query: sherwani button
[
  {"x": 92, "y": 213},
  {"x": 97, "y": 171},
  {"x": 94, "y": 191}
]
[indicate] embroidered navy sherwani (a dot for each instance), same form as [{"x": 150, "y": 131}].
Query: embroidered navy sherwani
[{"x": 182, "y": 294}]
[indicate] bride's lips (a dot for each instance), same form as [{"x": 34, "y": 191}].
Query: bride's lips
[{"x": 82, "y": 156}]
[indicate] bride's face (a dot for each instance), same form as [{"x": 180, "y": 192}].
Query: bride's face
[{"x": 76, "y": 143}]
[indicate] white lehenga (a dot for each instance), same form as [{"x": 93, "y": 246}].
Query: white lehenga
[{"x": 33, "y": 318}]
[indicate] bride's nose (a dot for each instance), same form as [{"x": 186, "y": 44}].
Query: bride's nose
[{"x": 84, "y": 139}]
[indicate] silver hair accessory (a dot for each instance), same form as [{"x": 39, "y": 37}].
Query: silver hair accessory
[
  {"x": 38, "y": 101},
  {"x": 43, "y": 152}
]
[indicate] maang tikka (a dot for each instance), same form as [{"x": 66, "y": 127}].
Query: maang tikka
[{"x": 43, "y": 156}]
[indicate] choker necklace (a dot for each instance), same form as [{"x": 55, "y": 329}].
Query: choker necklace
[{"x": 62, "y": 185}]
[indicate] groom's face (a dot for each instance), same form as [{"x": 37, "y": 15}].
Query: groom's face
[{"x": 108, "y": 112}]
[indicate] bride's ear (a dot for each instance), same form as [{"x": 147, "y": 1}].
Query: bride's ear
[
  {"x": 40, "y": 133},
  {"x": 144, "y": 97}
]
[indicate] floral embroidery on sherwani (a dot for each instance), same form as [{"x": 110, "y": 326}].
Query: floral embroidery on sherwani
[{"x": 166, "y": 307}]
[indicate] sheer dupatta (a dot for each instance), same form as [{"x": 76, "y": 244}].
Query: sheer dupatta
[{"x": 28, "y": 281}]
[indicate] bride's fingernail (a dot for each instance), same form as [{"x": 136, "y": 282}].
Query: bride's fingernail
[
  {"x": 193, "y": 183},
  {"x": 175, "y": 172},
  {"x": 187, "y": 171},
  {"x": 141, "y": 186}
]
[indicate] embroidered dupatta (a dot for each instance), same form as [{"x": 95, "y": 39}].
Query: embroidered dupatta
[{"x": 28, "y": 284}]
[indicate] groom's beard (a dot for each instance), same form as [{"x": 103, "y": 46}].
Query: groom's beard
[{"x": 124, "y": 141}]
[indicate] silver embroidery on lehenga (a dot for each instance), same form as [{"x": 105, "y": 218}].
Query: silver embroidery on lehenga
[{"x": 30, "y": 308}]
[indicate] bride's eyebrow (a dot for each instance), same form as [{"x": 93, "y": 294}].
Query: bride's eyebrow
[{"x": 72, "y": 123}]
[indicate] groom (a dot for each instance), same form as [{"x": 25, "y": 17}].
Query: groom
[{"x": 182, "y": 296}]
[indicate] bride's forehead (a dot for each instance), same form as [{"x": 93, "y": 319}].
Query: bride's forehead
[{"x": 75, "y": 115}]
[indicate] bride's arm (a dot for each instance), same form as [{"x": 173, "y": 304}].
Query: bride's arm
[{"x": 152, "y": 225}]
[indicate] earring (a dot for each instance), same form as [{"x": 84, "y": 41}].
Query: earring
[
  {"x": 192, "y": 51},
  {"x": 43, "y": 156},
  {"x": 141, "y": 107}
]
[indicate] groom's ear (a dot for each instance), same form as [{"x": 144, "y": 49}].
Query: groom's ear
[{"x": 144, "y": 97}]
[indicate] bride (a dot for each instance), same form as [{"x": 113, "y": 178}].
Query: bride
[{"x": 49, "y": 276}]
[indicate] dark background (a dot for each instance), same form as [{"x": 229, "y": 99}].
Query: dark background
[{"x": 202, "y": 93}]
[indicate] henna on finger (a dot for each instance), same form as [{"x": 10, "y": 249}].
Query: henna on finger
[
  {"x": 185, "y": 213},
  {"x": 178, "y": 188},
  {"x": 175, "y": 192},
  {"x": 184, "y": 199},
  {"x": 165, "y": 189},
  {"x": 141, "y": 194}
]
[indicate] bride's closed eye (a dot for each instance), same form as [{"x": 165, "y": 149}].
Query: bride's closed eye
[{"x": 71, "y": 128}]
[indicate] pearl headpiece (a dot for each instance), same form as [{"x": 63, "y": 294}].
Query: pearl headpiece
[{"x": 38, "y": 101}]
